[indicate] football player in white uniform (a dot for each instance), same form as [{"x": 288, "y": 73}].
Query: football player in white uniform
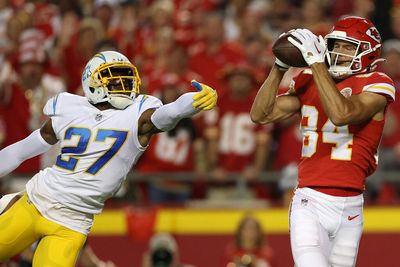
[{"x": 101, "y": 137}]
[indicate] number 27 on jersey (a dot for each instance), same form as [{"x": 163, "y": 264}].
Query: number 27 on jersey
[{"x": 84, "y": 140}]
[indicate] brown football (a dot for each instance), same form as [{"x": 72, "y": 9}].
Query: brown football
[{"x": 287, "y": 52}]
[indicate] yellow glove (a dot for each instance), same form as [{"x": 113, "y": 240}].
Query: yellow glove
[{"x": 206, "y": 98}]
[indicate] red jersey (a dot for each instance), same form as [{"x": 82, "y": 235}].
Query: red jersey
[
  {"x": 288, "y": 139},
  {"x": 390, "y": 140},
  {"x": 169, "y": 152},
  {"x": 158, "y": 79},
  {"x": 16, "y": 115},
  {"x": 237, "y": 133},
  {"x": 212, "y": 65},
  {"x": 339, "y": 156}
]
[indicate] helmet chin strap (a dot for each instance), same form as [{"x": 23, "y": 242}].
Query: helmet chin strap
[
  {"x": 375, "y": 63},
  {"x": 120, "y": 101},
  {"x": 342, "y": 72},
  {"x": 339, "y": 72}
]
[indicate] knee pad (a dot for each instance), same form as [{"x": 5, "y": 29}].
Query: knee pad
[{"x": 343, "y": 255}]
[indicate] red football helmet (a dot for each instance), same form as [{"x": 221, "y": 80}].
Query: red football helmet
[{"x": 363, "y": 34}]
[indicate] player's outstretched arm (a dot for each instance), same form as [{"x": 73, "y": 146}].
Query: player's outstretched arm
[
  {"x": 267, "y": 107},
  {"x": 35, "y": 144},
  {"x": 187, "y": 105}
]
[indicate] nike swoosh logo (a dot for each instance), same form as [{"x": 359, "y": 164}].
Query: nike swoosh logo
[
  {"x": 319, "y": 51},
  {"x": 352, "y": 217}
]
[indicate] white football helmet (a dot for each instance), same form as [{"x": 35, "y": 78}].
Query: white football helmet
[{"x": 110, "y": 77}]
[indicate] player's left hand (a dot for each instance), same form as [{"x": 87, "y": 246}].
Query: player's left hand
[
  {"x": 281, "y": 65},
  {"x": 206, "y": 98},
  {"x": 312, "y": 47}
]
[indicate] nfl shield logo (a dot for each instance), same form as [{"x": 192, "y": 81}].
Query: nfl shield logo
[
  {"x": 304, "y": 202},
  {"x": 98, "y": 117}
]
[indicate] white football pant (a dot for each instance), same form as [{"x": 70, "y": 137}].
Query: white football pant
[{"x": 325, "y": 230}]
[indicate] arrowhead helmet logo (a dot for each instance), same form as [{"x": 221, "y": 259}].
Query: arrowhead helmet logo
[{"x": 374, "y": 34}]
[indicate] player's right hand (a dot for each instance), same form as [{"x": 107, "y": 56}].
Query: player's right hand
[
  {"x": 311, "y": 46},
  {"x": 206, "y": 98}
]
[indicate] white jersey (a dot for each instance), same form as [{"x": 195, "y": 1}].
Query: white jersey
[{"x": 98, "y": 148}]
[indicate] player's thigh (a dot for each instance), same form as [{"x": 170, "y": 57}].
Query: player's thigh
[
  {"x": 17, "y": 228},
  {"x": 345, "y": 246},
  {"x": 60, "y": 249},
  {"x": 305, "y": 227},
  {"x": 309, "y": 240}
]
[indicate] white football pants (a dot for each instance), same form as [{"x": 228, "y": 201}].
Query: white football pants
[{"x": 325, "y": 230}]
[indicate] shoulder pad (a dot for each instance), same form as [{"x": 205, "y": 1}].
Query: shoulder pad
[
  {"x": 54, "y": 105},
  {"x": 50, "y": 108},
  {"x": 145, "y": 102}
]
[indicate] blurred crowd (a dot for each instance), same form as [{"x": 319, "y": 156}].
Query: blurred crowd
[
  {"x": 248, "y": 247},
  {"x": 44, "y": 46}
]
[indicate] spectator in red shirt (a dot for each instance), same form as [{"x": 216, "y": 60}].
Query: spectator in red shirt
[
  {"x": 176, "y": 68},
  {"x": 249, "y": 248},
  {"x": 158, "y": 60},
  {"x": 389, "y": 152},
  {"x": 159, "y": 16},
  {"x": 170, "y": 152},
  {"x": 104, "y": 11},
  {"x": 235, "y": 143},
  {"x": 127, "y": 33},
  {"x": 257, "y": 56},
  {"x": 391, "y": 132},
  {"x": 314, "y": 16},
  {"x": 211, "y": 56},
  {"x": 22, "y": 100},
  {"x": 81, "y": 48}
]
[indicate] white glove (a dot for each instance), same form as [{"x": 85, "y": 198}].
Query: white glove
[
  {"x": 312, "y": 47},
  {"x": 281, "y": 66}
]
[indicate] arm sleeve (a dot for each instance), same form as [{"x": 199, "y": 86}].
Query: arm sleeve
[
  {"x": 13, "y": 155},
  {"x": 166, "y": 117}
]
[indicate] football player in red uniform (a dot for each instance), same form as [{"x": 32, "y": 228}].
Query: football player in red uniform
[
  {"x": 343, "y": 105},
  {"x": 235, "y": 144}
]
